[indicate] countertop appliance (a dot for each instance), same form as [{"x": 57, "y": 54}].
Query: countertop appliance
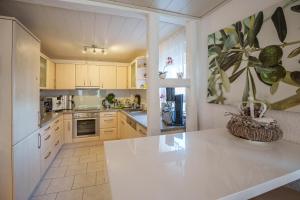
[
  {"x": 68, "y": 102},
  {"x": 86, "y": 123},
  {"x": 58, "y": 103}
]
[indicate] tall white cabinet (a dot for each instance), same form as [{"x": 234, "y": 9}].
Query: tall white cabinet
[{"x": 19, "y": 105}]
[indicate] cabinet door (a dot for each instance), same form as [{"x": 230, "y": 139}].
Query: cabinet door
[
  {"x": 133, "y": 75},
  {"x": 108, "y": 77},
  {"x": 43, "y": 72},
  {"x": 50, "y": 74},
  {"x": 26, "y": 83},
  {"x": 122, "y": 129},
  {"x": 122, "y": 77},
  {"x": 81, "y": 76},
  {"x": 68, "y": 131},
  {"x": 93, "y": 75},
  {"x": 65, "y": 76},
  {"x": 26, "y": 162}
]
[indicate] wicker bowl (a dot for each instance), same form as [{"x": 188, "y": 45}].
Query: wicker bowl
[{"x": 245, "y": 127}]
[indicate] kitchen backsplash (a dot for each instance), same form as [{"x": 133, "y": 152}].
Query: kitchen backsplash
[{"x": 94, "y": 97}]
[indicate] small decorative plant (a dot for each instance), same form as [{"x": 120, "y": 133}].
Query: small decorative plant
[{"x": 163, "y": 74}]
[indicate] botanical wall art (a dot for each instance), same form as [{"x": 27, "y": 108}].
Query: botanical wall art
[{"x": 258, "y": 56}]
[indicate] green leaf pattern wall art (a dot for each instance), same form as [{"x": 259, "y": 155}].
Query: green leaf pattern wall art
[{"x": 258, "y": 56}]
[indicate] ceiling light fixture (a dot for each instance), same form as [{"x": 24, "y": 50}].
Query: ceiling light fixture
[{"x": 94, "y": 49}]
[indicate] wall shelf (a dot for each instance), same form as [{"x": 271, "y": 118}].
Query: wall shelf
[{"x": 174, "y": 83}]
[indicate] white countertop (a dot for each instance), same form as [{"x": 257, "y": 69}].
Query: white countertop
[{"x": 209, "y": 164}]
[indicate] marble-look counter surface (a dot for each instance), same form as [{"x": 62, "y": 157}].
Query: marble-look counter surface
[{"x": 210, "y": 164}]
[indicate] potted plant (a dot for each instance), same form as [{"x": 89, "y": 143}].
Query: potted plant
[{"x": 163, "y": 74}]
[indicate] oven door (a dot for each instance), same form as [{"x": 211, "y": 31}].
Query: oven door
[{"x": 85, "y": 127}]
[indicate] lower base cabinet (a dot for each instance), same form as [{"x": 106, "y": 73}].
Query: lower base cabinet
[
  {"x": 33, "y": 156},
  {"x": 27, "y": 166}
]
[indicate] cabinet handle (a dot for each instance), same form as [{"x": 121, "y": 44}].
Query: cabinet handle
[
  {"x": 90, "y": 83},
  {"x": 48, "y": 137},
  {"x": 47, "y": 128},
  {"x": 39, "y": 119},
  {"x": 57, "y": 143},
  {"x": 48, "y": 155},
  {"x": 57, "y": 129},
  {"x": 108, "y": 131},
  {"x": 69, "y": 126},
  {"x": 102, "y": 85},
  {"x": 84, "y": 83},
  {"x": 108, "y": 115},
  {"x": 39, "y": 141},
  {"x": 108, "y": 120}
]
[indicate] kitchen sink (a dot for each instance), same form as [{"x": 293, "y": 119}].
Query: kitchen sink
[{"x": 137, "y": 113}]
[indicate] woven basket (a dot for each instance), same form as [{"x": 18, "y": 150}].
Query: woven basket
[{"x": 245, "y": 127}]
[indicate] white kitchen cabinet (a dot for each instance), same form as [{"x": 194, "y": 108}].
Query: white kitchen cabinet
[
  {"x": 108, "y": 77},
  {"x": 87, "y": 76},
  {"x": 81, "y": 75},
  {"x": 26, "y": 85},
  {"x": 122, "y": 77},
  {"x": 65, "y": 76},
  {"x": 26, "y": 158},
  {"x": 108, "y": 125},
  {"x": 137, "y": 74},
  {"x": 47, "y": 73},
  {"x": 93, "y": 75},
  {"x": 68, "y": 128}
]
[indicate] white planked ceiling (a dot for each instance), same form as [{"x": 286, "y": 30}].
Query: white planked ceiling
[
  {"x": 64, "y": 32},
  {"x": 195, "y": 8}
]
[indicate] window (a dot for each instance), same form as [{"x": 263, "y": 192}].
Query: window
[
  {"x": 173, "y": 106},
  {"x": 173, "y": 46}
]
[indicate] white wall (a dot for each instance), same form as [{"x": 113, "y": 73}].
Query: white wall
[{"x": 211, "y": 115}]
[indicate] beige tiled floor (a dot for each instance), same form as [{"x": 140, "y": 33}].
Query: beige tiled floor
[{"x": 78, "y": 173}]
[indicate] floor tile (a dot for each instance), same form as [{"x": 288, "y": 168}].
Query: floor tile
[
  {"x": 82, "y": 151},
  {"x": 42, "y": 188},
  {"x": 56, "y": 172},
  {"x": 84, "y": 180},
  {"x": 70, "y": 195},
  {"x": 95, "y": 166},
  {"x": 60, "y": 184},
  {"x": 56, "y": 162},
  {"x": 69, "y": 161},
  {"x": 100, "y": 157},
  {"x": 65, "y": 153},
  {"x": 88, "y": 158},
  {"x": 45, "y": 197},
  {"x": 102, "y": 177},
  {"x": 99, "y": 192},
  {"x": 76, "y": 169}
]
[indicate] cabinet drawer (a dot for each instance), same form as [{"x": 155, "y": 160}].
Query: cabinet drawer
[
  {"x": 57, "y": 144},
  {"x": 67, "y": 116},
  {"x": 122, "y": 115},
  {"x": 46, "y": 159},
  {"x": 141, "y": 131},
  {"x": 57, "y": 131},
  {"x": 108, "y": 122},
  {"x": 46, "y": 139},
  {"x": 108, "y": 114},
  {"x": 108, "y": 134}
]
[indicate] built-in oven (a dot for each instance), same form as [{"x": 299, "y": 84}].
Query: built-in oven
[{"x": 85, "y": 124}]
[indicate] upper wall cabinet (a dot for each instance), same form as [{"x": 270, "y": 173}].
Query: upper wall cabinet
[
  {"x": 137, "y": 74},
  {"x": 47, "y": 73},
  {"x": 65, "y": 76},
  {"x": 122, "y": 77},
  {"x": 108, "y": 77},
  {"x": 87, "y": 76}
]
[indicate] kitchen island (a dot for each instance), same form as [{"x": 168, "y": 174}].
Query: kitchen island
[{"x": 210, "y": 164}]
